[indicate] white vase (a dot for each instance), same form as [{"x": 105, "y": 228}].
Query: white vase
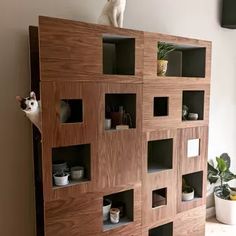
[
  {"x": 77, "y": 172},
  {"x": 106, "y": 209},
  {"x": 61, "y": 180},
  {"x": 225, "y": 210}
]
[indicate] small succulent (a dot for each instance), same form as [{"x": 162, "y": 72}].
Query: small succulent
[{"x": 164, "y": 49}]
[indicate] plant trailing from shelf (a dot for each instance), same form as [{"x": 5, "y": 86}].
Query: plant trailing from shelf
[
  {"x": 163, "y": 49},
  {"x": 222, "y": 174},
  {"x": 225, "y": 209}
]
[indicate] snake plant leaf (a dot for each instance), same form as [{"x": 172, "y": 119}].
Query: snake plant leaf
[{"x": 226, "y": 158}]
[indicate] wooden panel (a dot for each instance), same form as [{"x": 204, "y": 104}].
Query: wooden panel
[
  {"x": 71, "y": 50},
  {"x": 74, "y": 216},
  {"x": 158, "y": 180},
  {"x": 191, "y": 165},
  {"x": 120, "y": 150},
  {"x": 173, "y": 119},
  {"x": 191, "y": 222},
  {"x": 61, "y": 134},
  {"x": 150, "y": 56},
  {"x": 174, "y": 92}
]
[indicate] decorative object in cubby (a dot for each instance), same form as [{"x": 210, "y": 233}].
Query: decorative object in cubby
[
  {"x": 61, "y": 178},
  {"x": 77, "y": 156},
  {"x": 159, "y": 197},
  {"x": 160, "y": 155},
  {"x": 121, "y": 108},
  {"x": 118, "y": 55},
  {"x": 194, "y": 100},
  {"x": 124, "y": 201},
  {"x": 187, "y": 191},
  {"x": 114, "y": 215},
  {"x": 106, "y": 209},
  {"x": 162, "y": 230},
  {"x": 163, "y": 49},
  {"x": 192, "y": 185}
]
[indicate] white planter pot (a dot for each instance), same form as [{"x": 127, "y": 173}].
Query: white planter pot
[
  {"x": 106, "y": 209},
  {"x": 225, "y": 211},
  {"x": 187, "y": 196},
  {"x": 61, "y": 181}
]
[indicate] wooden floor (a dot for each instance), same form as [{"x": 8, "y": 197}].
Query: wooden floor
[{"x": 214, "y": 228}]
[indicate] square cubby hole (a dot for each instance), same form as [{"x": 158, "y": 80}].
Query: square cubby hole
[
  {"x": 161, "y": 106},
  {"x": 118, "y": 55},
  {"x": 162, "y": 230},
  {"x": 159, "y": 197},
  {"x": 193, "y": 105},
  {"x": 124, "y": 201},
  {"x": 120, "y": 109},
  {"x": 186, "y": 61},
  {"x": 71, "y": 111},
  {"x": 192, "y": 183},
  {"x": 73, "y": 160},
  {"x": 160, "y": 155}
]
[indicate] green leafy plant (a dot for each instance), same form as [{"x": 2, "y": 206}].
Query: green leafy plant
[
  {"x": 222, "y": 174},
  {"x": 163, "y": 49},
  {"x": 185, "y": 187}
]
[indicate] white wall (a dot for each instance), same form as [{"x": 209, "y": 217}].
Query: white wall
[{"x": 190, "y": 18}]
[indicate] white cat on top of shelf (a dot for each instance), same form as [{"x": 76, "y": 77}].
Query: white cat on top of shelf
[
  {"x": 33, "y": 111},
  {"x": 113, "y": 13}
]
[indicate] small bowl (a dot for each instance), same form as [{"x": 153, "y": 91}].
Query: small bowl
[
  {"x": 193, "y": 116},
  {"x": 77, "y": 172}
]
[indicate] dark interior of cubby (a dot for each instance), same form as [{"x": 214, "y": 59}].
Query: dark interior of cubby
[
  {"x": 194, "y": 100},
  {"x": 161, "y": 106},
  {"x": 159, "y": 197},
  {"x": 125, "y": 202},
  {"x": 186, "y": 61},
  {"x": 195, "y": 180},
  {"x": 76, "y": 109},
  {"x": 127, "y": 101},
  {"x": 77, "y": 155},
  {"x": 118, "y": 55},
  {"x": 163, "y": 230},
  {"x": 160, "y": 155}
]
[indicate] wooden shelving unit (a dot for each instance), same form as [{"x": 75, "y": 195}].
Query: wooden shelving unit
[{"x": 105, "y": 72}]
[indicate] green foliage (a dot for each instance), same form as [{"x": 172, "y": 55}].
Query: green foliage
[
  {"x": 164, "y": 49},
  {"x": 221, "y": 173}
]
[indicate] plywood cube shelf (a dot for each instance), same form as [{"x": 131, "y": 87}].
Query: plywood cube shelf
[{"x": 125, "y": 129}]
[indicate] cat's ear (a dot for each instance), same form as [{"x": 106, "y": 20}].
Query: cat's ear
[
  {"x": 32, "y": 95},
  {"x": 19, "y": 99}
]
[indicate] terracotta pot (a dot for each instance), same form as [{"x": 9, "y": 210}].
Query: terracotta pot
[{"x": 162, "y": 67}]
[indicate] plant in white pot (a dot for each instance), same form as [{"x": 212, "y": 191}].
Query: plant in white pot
[
  {"x": 187, "y": 191},
  {"x": 225, "y": 207},
  {"x": 61, "y": 178},
  {"x": 163, "y": 49}
]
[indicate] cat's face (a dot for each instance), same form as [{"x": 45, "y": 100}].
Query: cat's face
[{"x": 29, "y": 104}]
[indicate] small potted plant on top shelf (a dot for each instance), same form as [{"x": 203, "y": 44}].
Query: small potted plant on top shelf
[
  {"x": 61, "y": 178},
  {"x": 223, "y": 193},
  {"x": 163, "y": 49},
  {"x": 187, "y": 191}
]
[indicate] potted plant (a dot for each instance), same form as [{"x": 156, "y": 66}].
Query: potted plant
[
  {"x": 106, "y": 209},
  {"x": 163, "y": 50},
  {"x": 187, "y": 191},
  {"x": 225, "y": 207},
  {"x": 61, "y": 178}
]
